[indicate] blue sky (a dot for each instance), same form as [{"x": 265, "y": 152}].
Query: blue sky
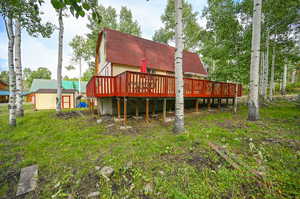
[{"x": 42, "y": 52}]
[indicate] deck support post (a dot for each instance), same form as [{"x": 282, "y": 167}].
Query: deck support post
[
  {"x": 136, "y": 109},
  {"x": 99, "y": 107},
  {"x": 119, "y": 108},
  {"x": 226, "y": 101},
  {"x": 197, "y": 105},
  {"x": 219, "y": 104},
  {"x": 208, "y": 104},
  {"x": 153, "y": 108},
  {"x": 125, "y": 111},
  {"x": 147, "y": 110},
  {"x": 165, "y": 110}
]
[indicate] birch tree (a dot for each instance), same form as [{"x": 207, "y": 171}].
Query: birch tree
[
  {"x": 18, "y": 69},
  {"x": 77, "y": 8},
  {"x": 79, "y": 47},
  {"x": 12, "y": 76},
  {"x": 26, "y": 14},
  {"x": 272, "y": 74},
  {"x": 59, "y": 61},
  {"x": 179, "y": 102},
  {"x": 284, "y": 78},
  {"x": 294, "y": 75},
  {"x": 253, "y": 103},
  {"x": 266, "y": 67}
]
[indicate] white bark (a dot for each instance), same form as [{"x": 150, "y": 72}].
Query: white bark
[
  {"x": 59, "y": 63},
  {"x": 294, "y": 74},
  {"x": 18, "y": 69},
  {"x": 266, "y": 71},
  {"x": 283, "y": 91},
  {"x": 253, "y": 103},
  {"x": 12, "y": 76},
  {"x": 235, "y": 98},
  {"x": 79, "y": 86},
  {"x": 179, "y": 105},
  {"x": 272, "y": 87},
  {"x": 261, "y": 74}
]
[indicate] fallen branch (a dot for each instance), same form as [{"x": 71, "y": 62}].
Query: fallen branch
[{"x": 232, "y": 160}]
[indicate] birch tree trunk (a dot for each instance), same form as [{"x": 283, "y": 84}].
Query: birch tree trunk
[
  {"x": 18, "y": 69},
  {"x": 266, "y": 72},
  {"x": 59, "y": 62},
  {"x": 272, "y": 74},
  {"x": 294, "y": 73},
  {"x": 261, "y": 74},
  {"x": 12, "y": 76},
  {"x": 253, "y": 103},
  {"x": 283, "y": 91},
  {"x": 179, "y": 105},
  {"x": 79, "y": 86}
]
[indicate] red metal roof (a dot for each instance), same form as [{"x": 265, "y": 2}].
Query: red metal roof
[{"x": 122, "y": 48}]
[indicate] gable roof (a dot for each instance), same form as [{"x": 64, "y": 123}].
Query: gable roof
[
  {"x": 38, "y": 84},
  {"x": 122, "y": 48}
]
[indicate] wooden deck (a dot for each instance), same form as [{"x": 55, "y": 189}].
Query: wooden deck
[{"x": 135, "y": 84}]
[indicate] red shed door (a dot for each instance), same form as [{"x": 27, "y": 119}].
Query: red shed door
[{"x": 66, "y": 101}]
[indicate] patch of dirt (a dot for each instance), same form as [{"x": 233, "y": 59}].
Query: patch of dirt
[
  {"x": 71, "y": 114},
  {"x": 11, "y": 180},
  {"x": 198, "y": 159},
  {"x": 230, "y": 124},
  {"x": 294, "y": 144},
  {"x": 201, "y": 161}
]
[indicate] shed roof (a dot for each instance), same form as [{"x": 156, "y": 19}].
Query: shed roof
[
  {"x": 122, "y": 48},
  {"x": 52, "y": 84},
  {"x": 4, "y": 93},
  {"x": 54, "y": 91}
]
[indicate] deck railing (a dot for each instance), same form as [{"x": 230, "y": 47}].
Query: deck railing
[{"x": 135, "y": 84}]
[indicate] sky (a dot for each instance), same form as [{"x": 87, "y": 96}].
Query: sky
[{"x": 42, "y": 52}]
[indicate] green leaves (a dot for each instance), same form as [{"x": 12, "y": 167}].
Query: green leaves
[
  {"x": 78, "y": 8},
  {"x": 57, "y": 4},
  {"x": 86, "y": 6},
  {"x": 191, "y": 31}
]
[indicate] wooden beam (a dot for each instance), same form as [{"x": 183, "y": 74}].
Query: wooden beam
[
  {"x": 125, "y": 111},
  {"x": 99, "y": 110},
  {"x": 153, "y": 108},
  {"x": 147, "y": 110},
  {"x": 165, "y": 110},
  {"x": 119, "y": 108},
  {"x": 197, "y": 105},
  {"x": 219, "y": 104},
  {"x": 208, "y": 104},
  {"x": 136, "y": 109}
]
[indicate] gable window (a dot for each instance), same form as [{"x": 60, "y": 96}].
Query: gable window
[{"x": 151, "y": 71}]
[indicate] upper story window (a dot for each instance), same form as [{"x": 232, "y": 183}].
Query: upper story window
[{"x": 151, "y": 71}]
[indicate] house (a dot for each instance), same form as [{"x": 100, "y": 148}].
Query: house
[
  {"x": 140, "y": 73},
  {"x": 117, "y": 52},
  {"x": 4, "y": 93},
  {"x": 43, "y": 93}
]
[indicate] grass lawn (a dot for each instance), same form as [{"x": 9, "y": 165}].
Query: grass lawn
[{"x": 150, "y": 161}]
